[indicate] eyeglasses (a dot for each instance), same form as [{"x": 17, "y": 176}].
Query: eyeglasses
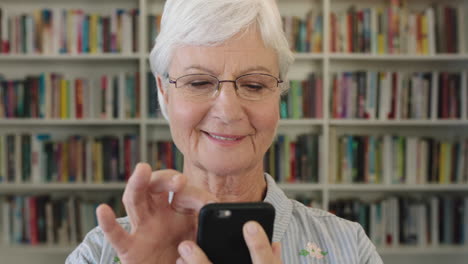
[{"x": 203, "y": 87}]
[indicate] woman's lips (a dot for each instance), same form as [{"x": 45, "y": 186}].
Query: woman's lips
[{"x": 224, "y": 138}]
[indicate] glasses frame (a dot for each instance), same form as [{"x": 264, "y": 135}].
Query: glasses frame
[{"x": 174, "y": 81}]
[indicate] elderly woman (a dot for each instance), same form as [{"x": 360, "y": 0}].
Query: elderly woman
[{"x": 220, "y": 66}]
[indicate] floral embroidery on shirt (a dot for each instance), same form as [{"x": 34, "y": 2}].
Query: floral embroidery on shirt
[
  {"x": 116, "y": 261},
  {"x": 314, "y": 251}
]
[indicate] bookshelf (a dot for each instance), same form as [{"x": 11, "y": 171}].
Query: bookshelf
[{"x": 149, "y": 129}]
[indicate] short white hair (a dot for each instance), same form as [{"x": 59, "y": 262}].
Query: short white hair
[{"x": 212, "y": 22}]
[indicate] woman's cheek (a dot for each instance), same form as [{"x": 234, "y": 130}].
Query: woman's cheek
[
  {"x": 267, "y": 121},
  {"x": 184, "y": 118}
]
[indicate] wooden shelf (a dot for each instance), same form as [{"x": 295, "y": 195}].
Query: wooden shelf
[
  {"x": 297, "y": 56},
  {"x": 399, "y": 187},
  {"x": 301, "y": 122},
  {"x": 157, "y": 121},
  {"x": 364, "y": 122},
  {"x": 66, "y": 122},
  {"x": 70, "y": 57},
  {"x": 301, "y": 187},
  {"x": 297, "y": 187},
  {"x": 42, "y": 249},
  {"x": 400, "y": 250},
  {"x": 429, "y": 250},
  {"x": 309, "y": 56},
  {"x": 397, "y": 57},
  {"x": 58, "y": 187},
  {"x": 282, "y": 122}
]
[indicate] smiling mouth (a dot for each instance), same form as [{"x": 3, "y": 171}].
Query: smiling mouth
[{"x": 224, "y": 137}]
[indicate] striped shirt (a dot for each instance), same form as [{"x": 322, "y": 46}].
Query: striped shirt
[{"x": 307, "y": 235}]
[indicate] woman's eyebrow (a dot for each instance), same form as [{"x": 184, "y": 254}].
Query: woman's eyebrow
[
  {"x": 199, "y": 67},
  {"x": 254, "y": 69}
]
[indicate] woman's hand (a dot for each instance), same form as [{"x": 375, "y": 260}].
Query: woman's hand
[
  {"x": 157, "y": 226},
  {"x": 256, "y": 239}
]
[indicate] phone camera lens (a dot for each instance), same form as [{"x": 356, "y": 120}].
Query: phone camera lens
[{"x": 224, "y": 213}]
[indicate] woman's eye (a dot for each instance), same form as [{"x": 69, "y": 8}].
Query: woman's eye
[
  {"x": 254, "y": 87},
  {"x": 200, "y": 84}
]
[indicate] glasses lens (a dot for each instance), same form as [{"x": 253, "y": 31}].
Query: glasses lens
[
  {"x": 256, "y": 86},
  {"x": 197, "y": 85}
]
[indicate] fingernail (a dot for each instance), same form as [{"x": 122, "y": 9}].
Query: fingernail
[
  {"x": 210, "y": 202},
  {"x": 252, "y": 228},
  {"x": 176, "y": 177},
  {"x": 185, "y": 250}
]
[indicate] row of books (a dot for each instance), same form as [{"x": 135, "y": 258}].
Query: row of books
[
  {"x": 396, "y": 29},
  {"x": 57, "y": 96},
  {"x": 398, "y": 221},
  {"x": 42, "y": 158},
  {"x": 154, "y": 27},
  {"x": 46, "y": 220},
  {"x": 164, "y": 155},
  {"x": 389, "y": 30},
  {"x": 304, "y": 35},
  {"x": 399, "y": 159},
  {"x": 304, "y": 99},
  {"x": 295, "y": 159},
  {"x": 393, "y": 221},
  {"x": 364, "y": 95},
  {"x": 398, "y": 95},
  {"x": 69, "y": 31}
]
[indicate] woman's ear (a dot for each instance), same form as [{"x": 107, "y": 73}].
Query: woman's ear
[{"x": 162, "y": 91}]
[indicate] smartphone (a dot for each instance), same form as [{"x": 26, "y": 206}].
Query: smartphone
[{"x": 220, "y": 226}]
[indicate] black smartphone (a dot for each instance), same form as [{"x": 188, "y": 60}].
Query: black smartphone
[{"x": 220, "y": 229}]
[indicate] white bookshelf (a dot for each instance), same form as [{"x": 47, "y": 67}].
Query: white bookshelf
[{"x": 150, "y": 129}]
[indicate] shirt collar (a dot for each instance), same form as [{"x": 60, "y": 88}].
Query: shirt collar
[{"x": 283, "y": 207}]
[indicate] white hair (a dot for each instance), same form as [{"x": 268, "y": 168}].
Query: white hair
[{"x": 212, "y": 22}]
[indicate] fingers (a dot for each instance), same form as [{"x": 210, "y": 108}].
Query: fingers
[
  {"x": 166, "y": 181},
  {"x": 191, "y": 199},
  {"x": 135, "y": 191},
  {"x": 259, "y": 246},
  {"x": 191, "y": 253},
  {"x": 113, "y": 232}
]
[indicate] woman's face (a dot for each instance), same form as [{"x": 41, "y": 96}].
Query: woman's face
[{"x": 227, "y": 134}]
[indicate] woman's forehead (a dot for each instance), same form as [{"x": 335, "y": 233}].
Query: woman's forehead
[{"x": 242, "y": 52}]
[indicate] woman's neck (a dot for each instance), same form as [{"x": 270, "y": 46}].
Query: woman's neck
[{"x": 245, "y": 186}]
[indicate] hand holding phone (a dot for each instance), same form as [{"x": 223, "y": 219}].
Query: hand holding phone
[{"x": 220, "y": 229}]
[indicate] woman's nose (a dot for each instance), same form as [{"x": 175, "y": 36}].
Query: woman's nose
[{"x": 228, "y": 106}]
